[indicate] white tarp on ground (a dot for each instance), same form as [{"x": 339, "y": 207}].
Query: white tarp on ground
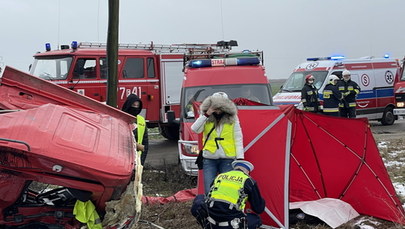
[{"x": 334, "y": 212}]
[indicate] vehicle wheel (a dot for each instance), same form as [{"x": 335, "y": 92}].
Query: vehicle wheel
[
  {"x": 388, "y": 117},
  {"x": 171, "y": 132}
]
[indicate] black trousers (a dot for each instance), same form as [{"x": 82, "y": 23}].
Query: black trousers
[{"x": 348, "y": 112}]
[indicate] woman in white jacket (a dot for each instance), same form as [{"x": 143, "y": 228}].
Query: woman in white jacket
[{"x": 219, "y": 121}]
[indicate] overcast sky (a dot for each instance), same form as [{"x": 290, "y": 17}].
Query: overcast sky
[{"x": 288, "y": 31}]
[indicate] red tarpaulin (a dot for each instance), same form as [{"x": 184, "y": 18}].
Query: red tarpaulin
[{"x": 301, "y": 156}]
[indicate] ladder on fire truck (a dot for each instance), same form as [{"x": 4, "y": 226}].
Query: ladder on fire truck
[{"x": 220, "y": 47}]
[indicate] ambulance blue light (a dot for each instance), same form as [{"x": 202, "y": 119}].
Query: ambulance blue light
[
  {"x": 74, "y": 44},
  {"x": 339, "y": 57},
  {"x": 386, "y": 56},
  {"x": 48, "y": 46}
]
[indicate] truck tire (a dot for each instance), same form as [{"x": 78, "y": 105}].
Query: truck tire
[
  {"x": 171, "y": 132},
  {"x": 388, "y": 116}
]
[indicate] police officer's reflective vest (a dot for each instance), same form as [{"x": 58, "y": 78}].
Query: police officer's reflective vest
[
  {"x": 85, "y": 212},
  {"x": 226, "y": 140},
  {"x": 141, "y": 125},
  {"x": 228, "y": 187}
]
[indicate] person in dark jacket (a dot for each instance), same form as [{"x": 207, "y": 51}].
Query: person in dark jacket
[
  {"x": 331, "y": 97},
  {"x": 133, "y": 106},
  {"x": 349, "y": 90},
  {"x": 309, "y": 95},
  {"x": 224, "y": 206}
]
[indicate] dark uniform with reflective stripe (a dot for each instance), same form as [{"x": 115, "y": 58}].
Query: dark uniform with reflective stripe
[
  {"x": 349, "y": 90},
  {"x": 331, "y": 100},
  {"x": 309, "y": 98}
]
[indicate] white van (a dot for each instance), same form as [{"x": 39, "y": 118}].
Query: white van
[{"x": 375, "y": 76}]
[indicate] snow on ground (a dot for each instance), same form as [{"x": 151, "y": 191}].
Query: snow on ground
[
  {"x": 398, "y": 163},
  {"x": 364, "y": 223}
]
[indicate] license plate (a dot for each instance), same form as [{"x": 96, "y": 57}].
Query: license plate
[{"x": 399, "y": 111}]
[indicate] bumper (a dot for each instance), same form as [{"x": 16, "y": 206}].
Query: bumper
[
  {"x": 399, "y": 111},
  {"x": 187, "y": 162}
]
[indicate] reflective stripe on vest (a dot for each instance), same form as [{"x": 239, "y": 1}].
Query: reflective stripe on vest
[
  {"x": 228, "y": 142},
  {"x": 228, "y": 187},
  {"x": 330, "y": 109},
  {"x": 327, "y": 93}
]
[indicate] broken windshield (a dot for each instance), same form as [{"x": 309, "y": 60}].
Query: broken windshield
[
  {"x": 297, "y": 80},
  {"x": 55, "y": 68}
]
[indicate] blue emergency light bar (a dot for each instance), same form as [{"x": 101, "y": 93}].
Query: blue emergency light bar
[
  {"x": 326, "y": 58},
  {"x": 48, "y": 46},
  {"x": 201, "y": 63},
  {"x": 74, "y": 45}
]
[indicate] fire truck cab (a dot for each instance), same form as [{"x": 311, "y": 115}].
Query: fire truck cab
[
  {"x": 153, "y": 72},
  {"x": 375, "y": 76},
  {"x": 239, "y": 75}
]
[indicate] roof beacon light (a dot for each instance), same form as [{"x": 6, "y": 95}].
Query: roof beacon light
[
  {"x": 74, "y": 44},
  {"x": 325, "y": 58},
  {"x": 386, "y": 56},
  {"x": 337, "y": 57},
  {"x": 48, "y": 47},
  {"x": 248, "y": 61},
  {"x": 200, "y": 63},
  {"x": 224, "y": 62},
  {"x": 318, "y": 58}
]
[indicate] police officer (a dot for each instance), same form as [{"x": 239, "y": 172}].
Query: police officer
[
  {"x": 309, "y": 95},
  {"x": 223, "y": 207},
  {"x": 133, "y": 106},
  {"x": 331, "y": 97},
  {"x": 349, "y": 90}
]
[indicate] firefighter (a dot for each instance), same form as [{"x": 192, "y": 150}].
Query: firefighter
[
  {"x": 332, "y": 97},
  {"x": 223, "y": 207},
  {"x": 349, "y": 90},
  {"x": 133, "y": 106},
  {"x": 309, "y": 95}
]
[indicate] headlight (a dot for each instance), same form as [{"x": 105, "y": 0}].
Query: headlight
[
  {"x": 400, "y": 104},
  {"x": 190, "y": 149}
]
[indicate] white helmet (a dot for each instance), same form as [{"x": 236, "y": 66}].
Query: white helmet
[
  {"x": 332, "y": 78},
  {"x": 345, "y": 72}
]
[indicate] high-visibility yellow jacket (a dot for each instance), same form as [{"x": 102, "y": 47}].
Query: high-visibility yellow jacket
[
  {"x": 228, "y": 187},
  {"x": 140, "y": 122},
  {"x": 85, "y": 212},
  {"x": 226, "y": 139}
]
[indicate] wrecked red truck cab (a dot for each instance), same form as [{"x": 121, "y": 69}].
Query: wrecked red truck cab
[{"x": 54, "y": 154}]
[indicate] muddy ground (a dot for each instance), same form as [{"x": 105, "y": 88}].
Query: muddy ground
[{"x": 170, "y": 179}]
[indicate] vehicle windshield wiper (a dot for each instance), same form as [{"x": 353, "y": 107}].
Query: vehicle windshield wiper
[{"x": 46, "y": 76}]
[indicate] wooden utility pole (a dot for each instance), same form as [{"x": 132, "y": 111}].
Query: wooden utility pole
[{"x": 112, "y": 52}]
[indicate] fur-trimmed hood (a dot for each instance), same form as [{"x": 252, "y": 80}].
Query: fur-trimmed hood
[{"x": 224, "y": 104}]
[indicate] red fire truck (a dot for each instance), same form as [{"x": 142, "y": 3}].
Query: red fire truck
[
  {"x": 153, "y": 72},
  {"x": 399, "y": 90},
  {"x": 240, "y": 75}
]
